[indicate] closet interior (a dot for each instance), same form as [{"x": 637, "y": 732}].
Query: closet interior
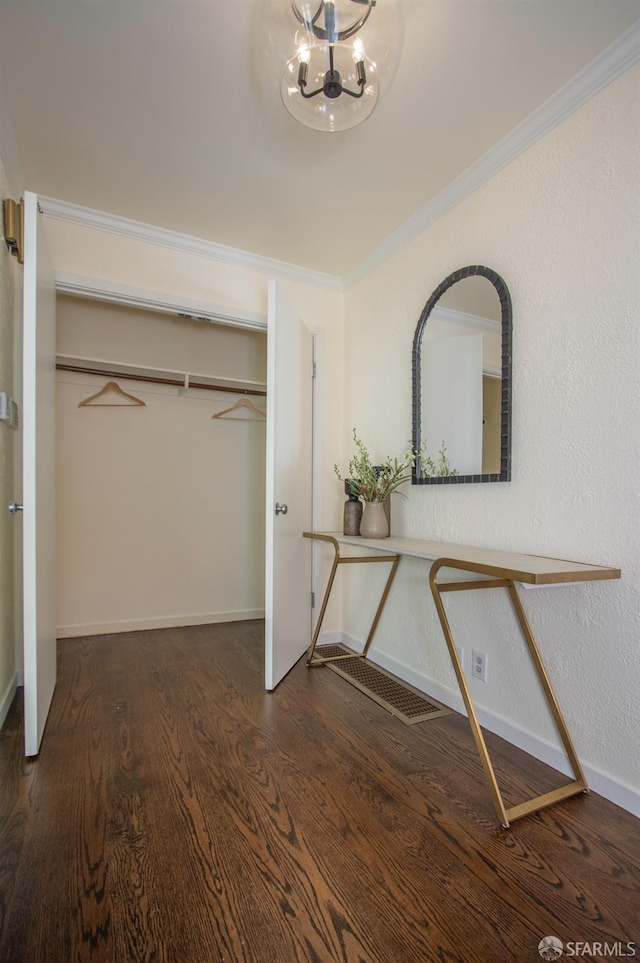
[{"x": 160, "y": 469}]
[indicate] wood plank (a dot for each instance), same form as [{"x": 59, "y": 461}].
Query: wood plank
[{"x": 180, "y": 812}]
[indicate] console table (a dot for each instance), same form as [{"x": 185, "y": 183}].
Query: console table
[{"x": 487, "y": 569}]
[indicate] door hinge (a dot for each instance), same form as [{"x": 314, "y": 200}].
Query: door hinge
[
  {"x": 314, "y": 369},
  {"x": 14, "y": 227},
  {"x": 8, "y": 410},
  {"x": 313, "y": 600}
]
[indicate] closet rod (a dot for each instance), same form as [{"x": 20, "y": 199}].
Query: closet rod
[{"x": 107, "y": 373}]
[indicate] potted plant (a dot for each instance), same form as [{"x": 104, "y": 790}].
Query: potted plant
[{"x": 373, "y": 484}]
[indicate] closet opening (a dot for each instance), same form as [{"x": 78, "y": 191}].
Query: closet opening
[{"x": 160, "y": 499}]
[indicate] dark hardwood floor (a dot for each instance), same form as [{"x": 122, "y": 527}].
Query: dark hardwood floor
[{"x": 179, "y": 813}]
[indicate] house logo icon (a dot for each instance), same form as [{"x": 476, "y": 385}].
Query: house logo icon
[{"x": 550, "y": 948}]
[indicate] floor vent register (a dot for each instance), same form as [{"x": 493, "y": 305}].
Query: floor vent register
[{"x": 394, "y": 695}]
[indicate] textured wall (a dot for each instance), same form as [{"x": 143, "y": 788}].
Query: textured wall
[
  {"x": 561, "y": 224},
  {"x": 7, "y": 438}
]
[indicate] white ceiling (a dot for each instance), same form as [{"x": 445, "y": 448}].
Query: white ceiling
[{"x": 150, "y": 109}]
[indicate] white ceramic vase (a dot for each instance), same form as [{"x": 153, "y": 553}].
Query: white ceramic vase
[{"x": 374, "y": 522}]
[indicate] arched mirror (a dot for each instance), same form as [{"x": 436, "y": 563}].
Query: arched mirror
[{"x": 462, "y": 381}]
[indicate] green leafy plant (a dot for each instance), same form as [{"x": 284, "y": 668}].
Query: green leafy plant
[
  {"x": 374, "y": 483},
  {"x": 430, "y": 469}
]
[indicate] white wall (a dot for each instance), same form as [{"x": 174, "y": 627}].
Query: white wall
[
  {"x": 96, "y": 329},
  {"x": 561, "y": 225},
  {"x": 160, "y": 509}
]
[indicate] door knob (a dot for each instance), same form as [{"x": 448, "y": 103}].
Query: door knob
[
  {"x": 281, "y": 509},
  {"x": 15, "y": 507}
]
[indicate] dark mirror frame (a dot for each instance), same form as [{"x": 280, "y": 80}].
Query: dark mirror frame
[{"x": 505, "y": 407}]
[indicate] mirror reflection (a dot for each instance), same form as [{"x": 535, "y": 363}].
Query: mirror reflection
[{"x": 461, "y": 370}]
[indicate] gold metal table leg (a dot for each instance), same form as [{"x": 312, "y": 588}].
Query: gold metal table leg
[
  {"x": 325, "y": 600},
  {"x": 394, "y": 559},
  {"x": 351, "y": 560},
  {"x": 579, "y": 785}
]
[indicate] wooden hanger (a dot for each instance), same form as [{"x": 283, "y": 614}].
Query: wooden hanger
[
  {"x": 112, "y": 386},
  {"x": 242, "y": 403}
]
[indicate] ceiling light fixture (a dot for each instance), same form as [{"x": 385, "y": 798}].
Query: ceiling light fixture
[{"x": 344, "y": 51}]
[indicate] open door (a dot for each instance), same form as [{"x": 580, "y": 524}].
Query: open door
[
  {"x": 289, "y": 498},
  {"x": 38, "y": 484}
]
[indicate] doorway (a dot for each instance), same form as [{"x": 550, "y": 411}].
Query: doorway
[{"x": 160, "y": 505}]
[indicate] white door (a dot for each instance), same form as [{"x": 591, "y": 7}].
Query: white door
[
  {"x": 38, "y": 485},
  {"x": 289, "y": 473}
]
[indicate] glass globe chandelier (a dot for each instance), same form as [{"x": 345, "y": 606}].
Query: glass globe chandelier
[{"x": 343, "y": 52}]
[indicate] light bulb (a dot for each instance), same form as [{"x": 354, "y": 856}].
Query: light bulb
[{"x": 333, "y": 58}]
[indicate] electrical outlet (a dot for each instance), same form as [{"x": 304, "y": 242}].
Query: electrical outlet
[{"x": 479, "y": 665}]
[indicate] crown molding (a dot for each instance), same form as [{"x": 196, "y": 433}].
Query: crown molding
[
  {"x": 148, "y": 233},
  {"x": 98, "y": 289},
  {"x": 474, "y": 321},
  {"x": 622, "y": 54}
]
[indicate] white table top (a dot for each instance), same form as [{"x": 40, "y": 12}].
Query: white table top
[{"x": 533, "y": 569}]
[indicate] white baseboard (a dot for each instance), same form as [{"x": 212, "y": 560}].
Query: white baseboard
[
  {"x": 168, "y": 622},
  {"x": 612, "y": 789},
  {"x": 7, "y": 697}
]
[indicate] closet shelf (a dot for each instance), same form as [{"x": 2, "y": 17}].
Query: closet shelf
[{"x": 164, "y": 376}]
